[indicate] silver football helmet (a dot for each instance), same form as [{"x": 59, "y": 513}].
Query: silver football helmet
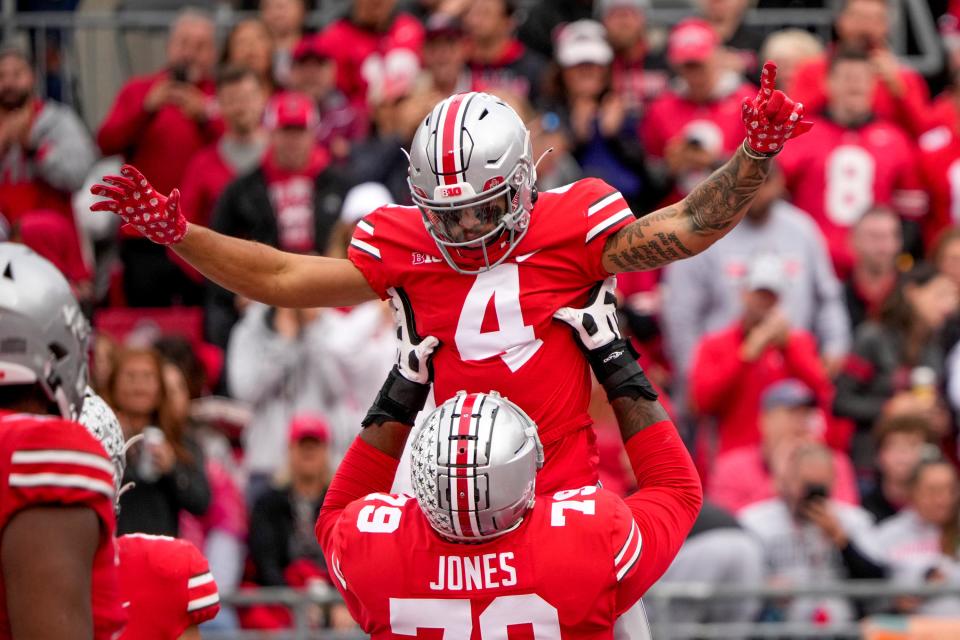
[
  {"x": 43, "y": 333},
  {"x": 474, "y": 465},
  {"x": 99, "y": 419},
  {"x": 472, "y": 176}
]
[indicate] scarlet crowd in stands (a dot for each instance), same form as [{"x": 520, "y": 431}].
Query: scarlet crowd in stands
[{"x": 811, "y": 355}]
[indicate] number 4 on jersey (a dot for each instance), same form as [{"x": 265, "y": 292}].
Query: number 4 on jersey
[{"x": 513, "y": 341}]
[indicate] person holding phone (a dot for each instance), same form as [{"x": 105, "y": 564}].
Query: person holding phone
[
  {"x": 159, "y": 121},
  {"x": 809, "y": 539}
]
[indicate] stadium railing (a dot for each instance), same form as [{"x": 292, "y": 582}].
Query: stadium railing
[{"x": 657, "y": 601}]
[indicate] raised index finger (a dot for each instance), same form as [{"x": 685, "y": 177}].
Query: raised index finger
[{"x": 768, "y": 80}]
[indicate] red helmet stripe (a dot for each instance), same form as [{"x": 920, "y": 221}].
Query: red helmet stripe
[
  {"x": 451, "y": 153},
  {"x": 465, "y": 482}
]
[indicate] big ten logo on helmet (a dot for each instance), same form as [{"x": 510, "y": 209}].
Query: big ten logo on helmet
[
  {"x": 423, "y": 258},
  {"x": 451, "y": 192}
]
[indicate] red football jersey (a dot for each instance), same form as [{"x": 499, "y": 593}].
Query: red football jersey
[
  {"x": 837, "y": 173},
  {"x": 167, "y": 586},
  {"x": 520, "y": 580},
  {"x": 940, "y": 164},
  {"x": 49, "y": 461},
  {"x": 496, "y": 328},
  {"x": 671, "y": 114}
]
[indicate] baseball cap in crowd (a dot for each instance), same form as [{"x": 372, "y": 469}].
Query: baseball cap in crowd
[
  {"x": 692, "y": 40},
  {"x": 363, "y": 199},
  {"x": 603, "y": 7},
  {"x": 766, "y": 273},
  {"x": 311, "y": 47},
  {"x": 789, "y": 393},
  {"x": 583, "y": 41},
  {"x": 309, "y": 426},
  {"x": 442, "y": 25},
  {"x": 291, "y": 110}
]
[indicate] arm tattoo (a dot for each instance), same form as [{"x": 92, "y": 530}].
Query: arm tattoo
[
  {"x": 633, "y": 416},
  {"x": 717, "y": 202},
  {"x": 707, "y": 213}
]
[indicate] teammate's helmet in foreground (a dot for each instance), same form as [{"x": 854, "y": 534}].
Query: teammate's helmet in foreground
[
  {"x": 99, "y": 419},
  {"x": 43, "y": 334},
  {"x": 472, "y": 155},
  {"x": 474, "y": 465}
]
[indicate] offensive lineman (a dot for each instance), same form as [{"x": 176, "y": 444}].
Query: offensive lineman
[
  {"x": 57, "y": 554},
  {"x": 165, "y": 583},
  {"x": 476, "y": 551},
  {"x": 487, "y": 260}
]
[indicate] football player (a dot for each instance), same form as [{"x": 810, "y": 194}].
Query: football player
[
  {"x": 477, "y": 550},
  {"x": 484, "y": 259},
  {"x": 169, "y": 588},
  {"x": 165, "y": 584},
  {"x": 57, "y": 552}
]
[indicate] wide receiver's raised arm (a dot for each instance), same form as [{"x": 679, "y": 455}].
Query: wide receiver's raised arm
[
  {"x": 271, "y": 276},
  {"x": 250, "y": 269},
  {"x": 718, "y": 203}
]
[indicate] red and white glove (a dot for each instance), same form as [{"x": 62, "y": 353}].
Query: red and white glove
[
  {"x": 132, "y": 197},
  {"x": 771, "y": 118}
]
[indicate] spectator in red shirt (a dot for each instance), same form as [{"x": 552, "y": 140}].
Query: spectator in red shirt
[
  {"x": 158, "y": 122},
  {"x": 852, "y": 160},
  {"x": 45, "y": 154},
  {"x": 876, "y": 240},
  {"x": 901, "y": 94},
  {"x": 242, "y": 98},
  {"x": 373, "y": 43},
  {"x": 731, "y": 368},
  {"x": 498, "y": 60},
  {"x": 284, "y": 20},
  {"x": 291, "y": 201},
  {"x": 314, "y": 72},
  {"x": 249, "y": 44},
  {"x": 639, "y": 74},
  {"x": 706, "y": 99},
  {"x": 789, "y": 416}
]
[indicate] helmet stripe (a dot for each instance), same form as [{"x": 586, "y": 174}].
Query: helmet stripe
[
  {"x": 466, "y": 478},
  {"x": 449, "y": 127}
]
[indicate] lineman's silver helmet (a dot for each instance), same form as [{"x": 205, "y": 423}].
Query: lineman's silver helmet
[
  {"x": 43, "y": 334},
  {"x": 472, "y": 176},
  {"x": 474, "y": 466}
]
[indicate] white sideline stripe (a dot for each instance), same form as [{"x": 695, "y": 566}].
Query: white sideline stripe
[
  {"x": 61, "y": 480},
  {"x": 365, "y": 246},
  {"x": 633, "y": 560},
  {"x": 610, "y": 199},
  {"x": 63, "y": 456},
  {"x": 626, "y": 545},
  {"x": 609, "y": 222},
  {"x": 205, "y": 601},
  {"x": 365, "y": 226},
  {"x": 200, "y": 580}
]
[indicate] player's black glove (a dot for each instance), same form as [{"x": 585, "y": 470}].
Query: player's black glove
[
  {"x": 405, "y": 391},
  {"x": 612, "y": 358}
]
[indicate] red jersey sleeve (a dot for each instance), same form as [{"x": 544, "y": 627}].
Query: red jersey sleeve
[
  {"x": 603, "y": 211},
  {"x": 663, "y": 508},
  {"x": 203, "y": 597},
  {"x": 366, "y": 251},
  {"x": 54, "y": 461}
]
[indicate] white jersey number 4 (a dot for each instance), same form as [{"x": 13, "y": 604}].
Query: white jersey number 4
[{"x": 514, "y": 342}]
